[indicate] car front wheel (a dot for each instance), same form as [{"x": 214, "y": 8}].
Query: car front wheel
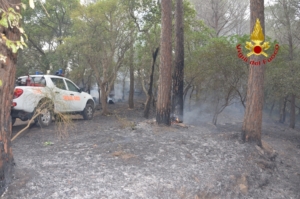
[
  {"x": 45, "y": 118},
  {"x": 88, "y": 112}
]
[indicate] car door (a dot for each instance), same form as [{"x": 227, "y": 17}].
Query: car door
[
  {"x": 61, "y": 100},
  {"x": 76, "y": 98}
]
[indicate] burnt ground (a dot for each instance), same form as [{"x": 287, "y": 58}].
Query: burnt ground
[{"x": 126, "y": 156}]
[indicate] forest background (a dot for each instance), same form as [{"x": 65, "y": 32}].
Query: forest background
[{"x": 105, "y": 43}]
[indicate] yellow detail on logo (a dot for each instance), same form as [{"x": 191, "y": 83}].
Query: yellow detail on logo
[
  {"x": 0, "y": 83},
  {"x": 257, "y": 37}
]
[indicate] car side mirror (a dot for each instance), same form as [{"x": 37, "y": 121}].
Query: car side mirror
[{"x": 79, "y": 90}]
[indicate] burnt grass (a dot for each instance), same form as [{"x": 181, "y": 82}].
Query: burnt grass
[{"x": 126, "y": 156}]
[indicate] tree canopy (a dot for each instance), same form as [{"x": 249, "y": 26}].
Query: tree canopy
[{"x": 92, "y": 43}]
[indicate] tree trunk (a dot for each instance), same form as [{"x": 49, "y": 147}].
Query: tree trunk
[
  {"x": 178, "y": 75},
  {"x": 90, "y": 82},
  {"x": 150, "y": 90},
  {"x": 283, "y": 111},
  {"x": 165, "y": 70},
  {"x": 291, "y": 58},
  {"x": 293, "y": 112},
  {"x": 271, "y": 110},
  {"x": 216, "y": 114},
  {"x": 103, "y": 99},
  {"x": 7, "y": 77},
  {"x": 190, "y": 98},
  {"x": 123, "y": 88},
  {"x": 252, "y": 124},
  {"x": 185, "y": 92},
  {"x": 131, "y": 76},
  {"x": 99, "y": 94}
]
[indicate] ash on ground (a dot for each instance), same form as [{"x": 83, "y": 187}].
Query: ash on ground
[{"x": 126, "y": 156}]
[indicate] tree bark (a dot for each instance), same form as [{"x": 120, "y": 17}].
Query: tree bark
[
  {"x": 150, "y": 90},
  {"x": 252, "y": 124},
  {"x": 103, "y": 98},
  {"x": 165, "y": 71},
  {"x": 123, "y": 87},
  {"x": 293, "y": 112},
  {"x": 131, "y": 76},
  {"x": 291, "y": 58},
  {"x": 282, "y": 113},
  {"x": 271, "y": 109},
  {"x": 99, "y": 94},
  {"x": 7, "y": 76},
  {"x": 178, "y": 75}
]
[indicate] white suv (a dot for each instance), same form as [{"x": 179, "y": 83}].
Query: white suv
[{"x": 54, "y": 94}]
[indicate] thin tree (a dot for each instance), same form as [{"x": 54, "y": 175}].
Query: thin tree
[
  {"x": 150, "y": 89},
  {"x": 165, "y": 70},
  {"x": 286, "y": 29},
  {"x": 252, "y": 124},
  {"x": 7, "y": 75},
  {"x": 226, "y": 17},
  {"x": 131, "y": 77},
  {"x": 178, "y": 75},
  {"x": 288, "y": 24}
]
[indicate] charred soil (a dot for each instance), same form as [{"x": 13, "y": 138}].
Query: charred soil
[{"x": 126, "y": 156}]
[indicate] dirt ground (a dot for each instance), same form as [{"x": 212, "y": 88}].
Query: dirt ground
[{"x": 127, "y": 156}]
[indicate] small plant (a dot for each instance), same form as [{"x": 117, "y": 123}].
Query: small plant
[
  {"x": 63, "y": 124},
  {"x": 48, "y": 143},
  {"x": 124, "y": 122}
]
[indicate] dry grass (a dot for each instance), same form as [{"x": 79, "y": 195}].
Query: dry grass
[
  {"x": 124, "y": 122},
  {"x": 124, "y": 155},
  {"x": 63, "y": 124}
]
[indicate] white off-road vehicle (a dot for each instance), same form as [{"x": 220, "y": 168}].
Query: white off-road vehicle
[{"x": 51, "y": 95}]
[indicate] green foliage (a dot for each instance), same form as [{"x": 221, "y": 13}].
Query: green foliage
[
  {"x": 103, "y": 33},
  {"x": 11, "y": 19},
  {"x": 93, "y": 40},
  {"x": 282, "y": 75},
  {"x": 46, "y": 26},
  {"x": 218, "y": 75}
]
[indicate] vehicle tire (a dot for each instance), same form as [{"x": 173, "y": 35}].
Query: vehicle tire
[
  {"x": 13, "y": 120},
  {"x": 45, "y": 117},
  {"x": 88, "y": 112}
]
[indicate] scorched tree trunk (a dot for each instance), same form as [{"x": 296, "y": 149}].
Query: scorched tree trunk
[
  {"x": 7, "y": 76},
  {"x": 178, "y": 75},
  {"x": 165, "y": 70},
  {"x": 252, "y": 124}
]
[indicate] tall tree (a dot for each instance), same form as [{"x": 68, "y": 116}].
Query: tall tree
[
  {"x": 252, "y": 124},
  {"x": 286, "y": 17},
  {"x": 7, "y": 75},
  {"x": 131, "y": 77},
  {"x": 226, "y": 17},
  {"x": 102, "y": 30},
  {"x": 46, "y": 27},
  {"x": 178, "y": 75},
  {"x": 165, "y": 70},
  {"x": 150, "y": 89},
  {"x": 148, "y": 25}
]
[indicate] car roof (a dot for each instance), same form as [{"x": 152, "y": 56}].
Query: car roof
[{"x": 56, "y": 76}]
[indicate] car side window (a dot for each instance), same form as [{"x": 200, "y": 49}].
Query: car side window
[
  {"x": 59, "y": 83},
  {"x": 71, "y": 86}
]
